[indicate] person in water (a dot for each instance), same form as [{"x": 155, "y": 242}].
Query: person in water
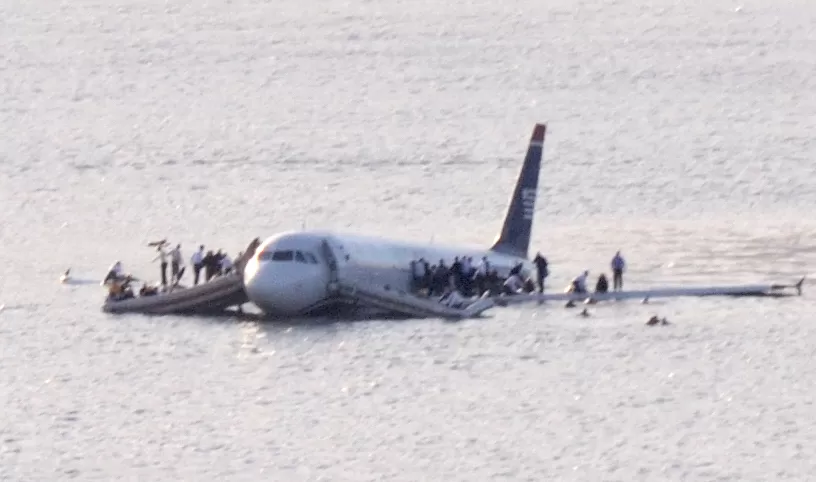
[{"x": 654, "y": 320}]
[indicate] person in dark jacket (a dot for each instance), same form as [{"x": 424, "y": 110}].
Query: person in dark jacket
[
  {"x": 543, "y": 270},
  {"x": 209, "y": 264},
  {"x": 602, "y": 286}
]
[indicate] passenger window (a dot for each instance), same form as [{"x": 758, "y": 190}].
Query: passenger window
[
  {"x": 311, "y": 258},
  {"x": 299, "y": 257},
  {"x": 282, "y": 256}
]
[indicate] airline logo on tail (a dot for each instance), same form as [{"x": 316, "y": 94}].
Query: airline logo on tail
[
  {"x": 518, "y": 223},
  {"x": 528, "y": 199}
]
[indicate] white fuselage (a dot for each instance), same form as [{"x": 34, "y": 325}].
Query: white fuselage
[
  {"x": 293, "y": 274},
  {"x": 290, "y": 272}
]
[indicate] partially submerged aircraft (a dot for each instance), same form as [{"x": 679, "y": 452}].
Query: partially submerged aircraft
[
  {"x": 313, "y": 273},
  {"x": 307, "y": 273}
]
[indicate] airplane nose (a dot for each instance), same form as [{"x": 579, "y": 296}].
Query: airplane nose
[
  {"x": 283, "y": 289},
  {"x": 263, "y": 287},
  {"x": 250, "y": 273}
]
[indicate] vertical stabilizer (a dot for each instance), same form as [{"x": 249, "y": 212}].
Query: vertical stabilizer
[{"x": 518, "y": 224}]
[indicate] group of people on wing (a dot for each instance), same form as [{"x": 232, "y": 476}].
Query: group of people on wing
[
  {"x": 462, "y": 275},
  {"x": 464, "y": 279},
  {"x": 211, "y": 264},
  {"x": 618, "y": 265}
]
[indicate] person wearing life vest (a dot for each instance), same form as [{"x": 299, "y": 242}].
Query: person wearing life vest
[
  {"x": 119, "y": 289},
  {"x": 115, "y": 289}
]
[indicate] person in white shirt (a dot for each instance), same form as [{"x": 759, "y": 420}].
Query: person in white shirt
[
  {"x": 197, "y": 261},
  {"x": 162, "y": 256},
  {"x": 579, "y": 284}
]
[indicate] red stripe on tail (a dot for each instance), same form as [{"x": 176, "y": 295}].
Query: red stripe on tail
[{"x": 538, "y": 132}]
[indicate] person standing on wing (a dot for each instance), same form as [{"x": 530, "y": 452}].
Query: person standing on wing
[
  {"x": 618, "y": 266},
  {"x": 542, "y": 269}
]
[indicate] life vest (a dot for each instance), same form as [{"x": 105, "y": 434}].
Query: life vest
[{"x": 115, "y": 288}]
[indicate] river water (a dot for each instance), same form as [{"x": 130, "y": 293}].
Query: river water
[{"x": 681, "y": 133}]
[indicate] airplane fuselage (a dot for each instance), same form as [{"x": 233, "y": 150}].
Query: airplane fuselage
[{"x": 291, "y": 272}]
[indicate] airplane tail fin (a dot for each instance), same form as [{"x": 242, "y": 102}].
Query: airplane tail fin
[{"x": 514, "y": 238}]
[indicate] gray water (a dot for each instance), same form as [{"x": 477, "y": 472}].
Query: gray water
[{"x": 680, "y": 132}]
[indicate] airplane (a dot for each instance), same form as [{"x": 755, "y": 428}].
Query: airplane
[
  {"x": 301, "y": 273},
  {"x": 316, "y": 273}
]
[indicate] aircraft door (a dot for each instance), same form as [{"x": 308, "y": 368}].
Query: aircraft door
[{"x": 330, "y": 265}]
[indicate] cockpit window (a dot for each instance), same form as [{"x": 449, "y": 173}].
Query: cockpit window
[
  {"x": 283, "y": 256},
  {"x": 304, "y": 257}
]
